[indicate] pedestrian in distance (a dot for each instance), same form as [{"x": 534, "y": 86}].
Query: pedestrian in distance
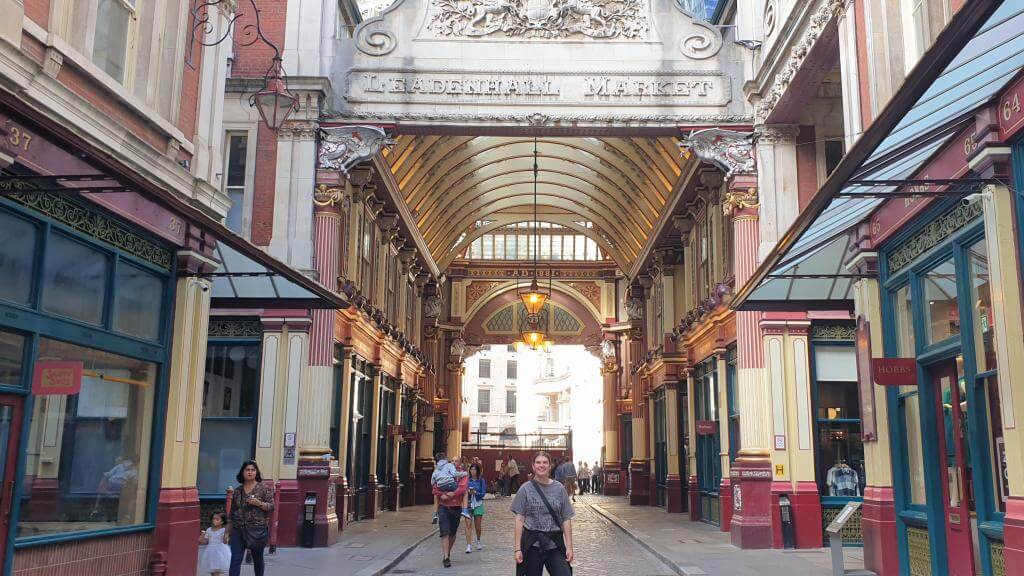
[
  {"x": 251, "y": 504},
  {"x": 584, "y": 471},
  {"x": 477, "y": 490},
  {"x": 449, "y": 514},
  {"x": 543, "y": 526},
  {"x": 568, "y": 476},
  {"x": 597, "y": 477},
  {"x": 511, "y": 476},
  {"x": 216, "y": 560}
]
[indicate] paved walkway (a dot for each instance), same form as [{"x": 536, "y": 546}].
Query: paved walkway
[
  {"x": 601, "y": 549},
  {"x": 612, "y": 538},
  {"x": 699, "y": 548},
  {"x": 366, "y": 548}
]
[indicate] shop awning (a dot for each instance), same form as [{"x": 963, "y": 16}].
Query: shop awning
[
  {"x": 980, "y": 51},
  {"x": 247, "y": 276},
  {"x": 256, "y": 280}
]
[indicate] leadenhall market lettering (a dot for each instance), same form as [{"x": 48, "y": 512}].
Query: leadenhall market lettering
[
  {"x": 573, "y": 88},
  {"x": 508, "y": 86}
]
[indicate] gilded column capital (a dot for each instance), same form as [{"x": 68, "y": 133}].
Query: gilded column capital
[
  {"x": 328, "y": 199},
  {"x": 736, "y": 201}
]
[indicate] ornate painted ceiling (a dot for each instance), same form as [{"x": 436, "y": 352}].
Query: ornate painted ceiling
[{"x": 460, "y": 187}]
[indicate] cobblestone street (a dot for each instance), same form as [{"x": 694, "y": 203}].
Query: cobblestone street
[{"x": 601, "y": 548}]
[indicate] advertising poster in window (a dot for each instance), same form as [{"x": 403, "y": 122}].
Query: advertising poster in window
[{"x": 865, "y": 381}]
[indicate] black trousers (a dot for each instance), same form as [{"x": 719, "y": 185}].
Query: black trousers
[
  {"x": 238, "y": 554},
  {"x": 554, "y": 560}
]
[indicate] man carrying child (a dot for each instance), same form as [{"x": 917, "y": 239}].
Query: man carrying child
[{"x": 445, "y": 478}]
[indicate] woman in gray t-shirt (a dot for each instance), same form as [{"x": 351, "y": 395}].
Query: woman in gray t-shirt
[{"x": 541, "y": 541}]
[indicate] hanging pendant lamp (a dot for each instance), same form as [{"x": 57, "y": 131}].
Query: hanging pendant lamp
[{"x": 533, "y": 297}]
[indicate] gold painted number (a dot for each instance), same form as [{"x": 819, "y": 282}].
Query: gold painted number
[
  {"x": 19, "y": 138},
  {"x": 1011, "y": 107}
]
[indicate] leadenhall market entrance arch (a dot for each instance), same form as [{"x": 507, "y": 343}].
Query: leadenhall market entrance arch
[{"x": 615, "y": 131}]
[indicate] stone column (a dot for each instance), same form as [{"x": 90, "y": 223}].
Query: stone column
[
  {"x": 691, "y": 446},
  {"x": 724, "y": 486},
  {"x": 639, "y": 466},
  {"x": 611, "y": 371},
  {"x": 344, "y": 419},
  {"x": 316, "y": 474},
  {"x": 373, "y": 490},
  {"x": 175, "y": 547},
  {"x": 454, "y": 445},
  {"x": 787, "y": 373},
  {"x": 425, "y": 444},
  {"x": 1005, "y": 272},
  {"x": 776, "y": 185},
  {"x": 751, "y": 475},
  {"x": 878, "y": 513},
  {"x": 395, "y": 482},
  {"x": 674, "y": 482},
  {"x": 849, "y": 69}
]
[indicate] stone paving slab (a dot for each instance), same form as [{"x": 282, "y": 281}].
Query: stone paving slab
[
  {"x": 366, "y": 548},
  {"x": 601, "y": 549},
  {"x": 692, "y": 548}
]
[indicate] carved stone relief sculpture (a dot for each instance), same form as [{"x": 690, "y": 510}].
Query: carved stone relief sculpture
[
  {"x": 729, "y": 150},
  {"x": 635, "y": 308},
  {"x": 344, "y": 147},
  {"x": 622, "y": 19}
]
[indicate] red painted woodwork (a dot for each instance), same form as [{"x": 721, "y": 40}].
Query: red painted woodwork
[
  {"x": 613, "y": 484},
  {"x": 44, "y": 505},
  {"x": 806, "y": 508},
  {"x": 694, "y": 498},
  {"x": 319, "y": 477},
  {"x": 878, "y": 524},
  {"x": 752, "y": 515},
  {"x": 424, "y": 468},
  {"x": 289, "y": 516},
  {"x": 176, "y": 537},
  {"x": 674, "y": 494},
  {"x": 639, "y": 482},
  {"x": 725, "y": 504},
  {"x": 1013, "y": 532}
]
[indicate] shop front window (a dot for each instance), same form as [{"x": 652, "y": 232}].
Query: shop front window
[
  {"x": 904, "y": 312},
  {"x": 996, "y": 445},
  {"x": 942, "y": 307},
  {"x": 18, "y": 241},
  {"x": 75, "y": 280},
  {"x": 88, "y": 454},
  {"x": 134, "y": 312},
  {"x": 983, "y": 325},
  {"x": 840, "y": 448},
  {"x": 230, "y": 394},
  {"x": 910, "y": 411},
  {"x": 12, "y": 355}
]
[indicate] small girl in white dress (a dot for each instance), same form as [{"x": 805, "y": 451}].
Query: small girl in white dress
[{"x": 217, "y": 556}]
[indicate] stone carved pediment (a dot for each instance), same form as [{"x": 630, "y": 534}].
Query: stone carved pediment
[{"x": 541, "y": 18}]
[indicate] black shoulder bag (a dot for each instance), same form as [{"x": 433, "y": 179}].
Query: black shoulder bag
[
  {"x": 551, "y": 510},
  {"x": 253, "y": 536}
]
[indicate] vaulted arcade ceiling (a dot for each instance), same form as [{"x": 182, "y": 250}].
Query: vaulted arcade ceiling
[{"x": 460, "y": 187}]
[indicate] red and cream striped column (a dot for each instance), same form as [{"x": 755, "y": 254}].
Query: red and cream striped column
[
  {"x": 318, "y": 467},
  {"x": 750, "y": 478}
]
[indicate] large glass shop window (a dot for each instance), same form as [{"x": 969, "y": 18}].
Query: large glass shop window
[
  {"x": 840, "y": 448},
  {"x": 88, "y": 452},
  {"x": 230, "y": 391},
  {"x": 907, "y": 399}
]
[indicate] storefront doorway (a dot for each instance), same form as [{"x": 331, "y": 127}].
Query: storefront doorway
[
  {"x": 10, "y": 428},
  {"x": 957, "y": 479},
  {"x": 660, "y": 447}
]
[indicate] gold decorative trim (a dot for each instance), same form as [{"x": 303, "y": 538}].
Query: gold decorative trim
[
  {"x": 933, "y": 234},
  {"x": 834, "y": 332},
  {"x": 919, "y": 551},
  {"x": 235, "y": 329},
  {"x": 998, "y": 558},
  {"x": 92, "y": 223}
]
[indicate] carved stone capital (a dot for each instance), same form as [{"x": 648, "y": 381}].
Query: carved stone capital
[
  {"x": 737, "y": 200},
  {"x": 326, "y": 197},
  {"x": 731, "y": 151},
  {"x": 343, "y": 147},
  {"x": 777, "y": 134}
]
